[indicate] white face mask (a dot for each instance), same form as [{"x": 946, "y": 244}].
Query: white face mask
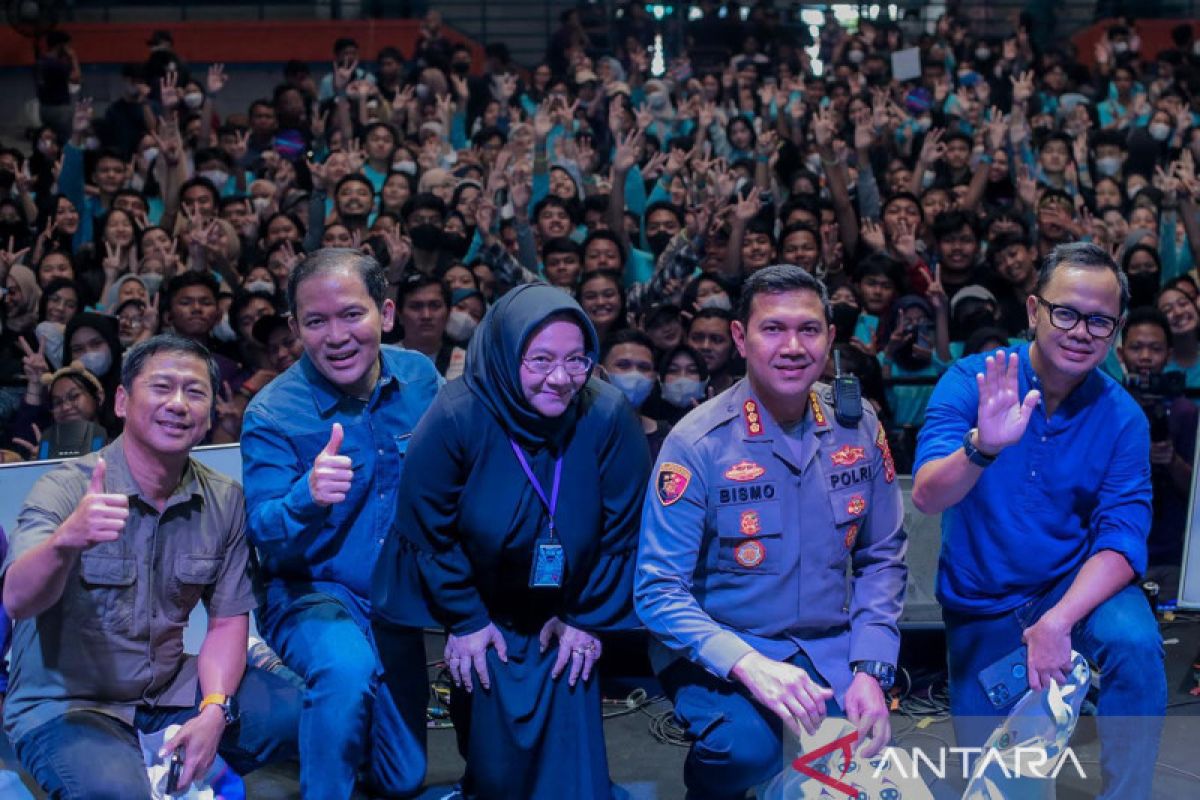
[
  {"x": 149, "y": 154},
  {"x": 193, "y": 100},
  {"x": 717, "y": 301},
  {"x": 407, "y": 167},
  {"x": 50, "y": 334},
  {"x": 223, "y": 331},
  {"x": 856, "y": 56},
  {"x": 261, "y": 286},
  {"x": 634, "y": 385},
  {"x": 96, "y": 362},
  {"x": 682, "y": 392},
  {"x": 218, "y": 177},
  {"x": 983, "y": 53},
  {"x": 260, "y": 203},
  {"x": 1109, "y": 165},
  {"x": 460, "y": 325},
  {"x": 91, "y": 143},
  {"x": 1160, "y": 131},
  {"x": 1120, "y": 47},
  {"x": 152, "y": 281}
]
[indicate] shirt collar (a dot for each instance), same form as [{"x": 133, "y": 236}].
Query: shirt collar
[
  {"x": 327, "y": 396},
  {"x": 119, "y": 480},
  {"x": 1079, "y": 397}
]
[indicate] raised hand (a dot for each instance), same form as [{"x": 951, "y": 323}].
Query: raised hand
[
  {"x": 933, "y": 148},
  {"x": 343, "y": 73},
  {"x": 628, "y": 148},
  {"x": 872, "y": 234},
  {"x": 216, "y": 79},
  {"x": 99, "y": 517},
  {"x": 331, "y": 474},
  {"x": 1003, "y": 416},
  {"x": 81, "y": 121},
  {"x": 168, "y": 90},
  {"x": 10, "y": 256},
  {"x": 747, "y": 208},
  {"x": 30, "y": 447},
  {"x": 822, "y": 127}
]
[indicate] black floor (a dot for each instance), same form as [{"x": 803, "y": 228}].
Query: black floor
[{"x": 651, "y": 770}]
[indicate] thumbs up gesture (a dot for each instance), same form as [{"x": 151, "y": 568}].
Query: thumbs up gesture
[
  {"x": 99, "y": 517},
  {"x": 331, "y": 474}
]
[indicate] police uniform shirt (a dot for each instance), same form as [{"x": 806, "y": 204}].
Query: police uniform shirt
[{"x": 746, "y": 540}]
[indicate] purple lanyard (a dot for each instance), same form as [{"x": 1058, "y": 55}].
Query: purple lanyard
[{"x": 552, "y": 503}]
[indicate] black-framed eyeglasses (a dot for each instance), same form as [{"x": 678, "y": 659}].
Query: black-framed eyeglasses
[
  {"x": 544, "y": 365},
  {"x": 1066, "y": 318}
]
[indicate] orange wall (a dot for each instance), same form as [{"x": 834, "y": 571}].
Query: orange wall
[
  {"x": 232, "y": 42},
  {"x": 1155, "y": 35}
]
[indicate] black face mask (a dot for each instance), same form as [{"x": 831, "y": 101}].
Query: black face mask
[
  {"x": 658, "y": 242},
  {"x": 1143, "y": 286},
  {"x": 845, "y": 317},
  {"x": 460, "y": 67},
  {"x": 426, "y": 237},
  {"x": 455, "y": 244}
]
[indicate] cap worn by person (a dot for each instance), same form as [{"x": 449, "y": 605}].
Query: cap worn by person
[{"x": 972, "y": 292}]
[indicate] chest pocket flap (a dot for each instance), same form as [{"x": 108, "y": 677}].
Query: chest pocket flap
[
  {"x": 750, "y": 538},
  {"x": 101, "y": 570},
  {"x": 201, "y": 570}
]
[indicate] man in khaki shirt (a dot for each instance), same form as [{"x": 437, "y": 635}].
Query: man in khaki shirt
[{"x": 112, "y": 552}]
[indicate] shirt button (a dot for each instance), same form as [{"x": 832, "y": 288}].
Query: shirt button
[
  {"x": 381, "y": 451},
  {"x": 1043, "y": 438},
  {"x": 381, "y": 495},
  {"x": 1033, "y": 474}
]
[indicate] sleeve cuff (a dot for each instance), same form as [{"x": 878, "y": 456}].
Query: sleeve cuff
[{"x": 722, "y": 651}]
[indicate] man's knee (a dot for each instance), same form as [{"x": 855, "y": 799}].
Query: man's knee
[
  {"x": 1125, "y": 632},
  {"x": 738, "y": 749}
]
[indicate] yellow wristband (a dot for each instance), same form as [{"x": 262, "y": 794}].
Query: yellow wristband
[{"x": 213, "y": 700}]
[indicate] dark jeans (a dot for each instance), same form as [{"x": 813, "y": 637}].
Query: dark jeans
[
  {"x": 86, "y": 754},
  {"x": 1120, "y": 635}
]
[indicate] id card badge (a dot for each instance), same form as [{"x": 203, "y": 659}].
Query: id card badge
[{"x": 547, "y": 572}]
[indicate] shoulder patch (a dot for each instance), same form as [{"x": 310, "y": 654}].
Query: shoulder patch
[
  {"x": 672, "y": 482},
  {"x": 753, "y": 418},
  {"x": 818, "y": 412},
  {"x": 745, "y": 470},
  {"x": 889, "y": 465}
]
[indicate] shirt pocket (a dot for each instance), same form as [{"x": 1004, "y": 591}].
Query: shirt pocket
[
  {"x": 849, "y": 509},
  {"x": 191, "y": 576},
  {"x": 750, "y": 539},
  {"x": 105, "y": 598}
]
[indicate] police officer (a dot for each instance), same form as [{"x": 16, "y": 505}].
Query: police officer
[{"x": 760, "y": 501}]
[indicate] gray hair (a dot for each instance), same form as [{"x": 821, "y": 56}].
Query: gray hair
[
  {"x": 333, "y": 259},
  {"x": 777, "y": 279},
  {"x": 1082, "y": 254}
]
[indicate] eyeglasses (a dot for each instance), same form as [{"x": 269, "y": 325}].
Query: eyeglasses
[
  {"x": 1066, "y": 318},
  {"x": 542, "y": 365}
]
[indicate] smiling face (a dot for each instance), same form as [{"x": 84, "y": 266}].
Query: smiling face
[
  {"x": 557, "y": 341},
  {"x": 168, "y": 408},
  {"x": 1072, "y": 354},
  {"x": 342, "y": 328},
  {"x": 70, "y": 402},
  {"x": 1179, "y": 310},
  {"x": 785, "y": 343},
  {"x": 62, "y": 305},
  {"x": 601, "y": 301},
  {"x": 710, "y": 337}
]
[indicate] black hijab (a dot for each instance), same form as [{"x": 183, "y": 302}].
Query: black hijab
[{"x": 494, "y": 359}]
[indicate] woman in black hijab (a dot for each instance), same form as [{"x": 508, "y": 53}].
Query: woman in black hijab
[{"x": 519, "y": 507}]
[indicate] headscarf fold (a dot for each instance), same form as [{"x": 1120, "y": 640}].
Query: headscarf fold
[
  {"x": 24, "y": 317},
  {"x": 493, "y": 369}
]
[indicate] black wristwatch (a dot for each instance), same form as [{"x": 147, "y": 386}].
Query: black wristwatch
[
  {"x": 226, "y": 703},
  {"x": 879, "y": 670},
  {"x": 974, "y": 454}
]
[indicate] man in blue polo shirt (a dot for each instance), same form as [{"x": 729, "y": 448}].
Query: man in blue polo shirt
[
  {"x": 1039, "y": 464},
  {"x": 322, "y": 451}
]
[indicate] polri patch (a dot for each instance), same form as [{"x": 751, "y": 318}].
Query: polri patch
[
  {"x": 818, "y": 413},
  {"x": 750, "y": 524},
  {"x": 672, "y": 482},
  {"x": 847, "y": 455},
  {"x": 889, "y": 465},
  {"x": 857, "y": 505},
  {"x": 752, "y": 418},
  {"x": 745, "y": 470},
  {"x": 750, "y": 554}
]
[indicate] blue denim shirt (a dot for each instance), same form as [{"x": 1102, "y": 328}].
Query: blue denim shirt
[
  {"x": 1076, "y": 483},
  {"x": 330, "y": 548}
]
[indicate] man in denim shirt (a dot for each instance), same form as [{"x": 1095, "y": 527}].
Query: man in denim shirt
[
  {"x": 322, "y": 450},
  {"x": 1040, "y": 464}
]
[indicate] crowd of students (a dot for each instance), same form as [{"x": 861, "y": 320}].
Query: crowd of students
[{"x": 924, "y": 205}]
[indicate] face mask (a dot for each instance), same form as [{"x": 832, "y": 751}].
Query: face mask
[
  {"x": 1120, "y": 47},
  {"x": 1142, "y": 288},
  {"x": 261, "y": 286},
  {"x": 96, "y": 362},
  {"x": 149, "y": 154},
  {"x": 922, "y": 124},
  {"x": 658, "y": 242},
  {"x": 983, "y": 53},
  {"x": 717, "y": 301},
  {"x": 927, "y": 179},
  {"x": 219, "y": 177},
  {"x": 634, "y": 385},
  {"x": 50, "y": 334},
  {"x": 1160, "y": 131},
  {"x": 856, "y": 56},
  {"x": 455, "y": 244},
  {"x": 74, "y": 88},
  {"x": 426, "y": 237},
  {"x": 45, "y": 147},
  {"x": 260, "y": 204},
  {"x": 407, "y": 167},
  {"x": 460, "y": 67},
  {"x": 683, "y": 391},
  {"x": 91, "y": 143},
  {"x": 1109, "y": 165},
  {"x": 223, "y": 331},
  {"x": 813, "y": 163},
  {"x": 152, "y": 281},
  {"x": 845, "y": 317},
  {"x": 460, "y": 325},
  {"x": 193, "y": 100}
]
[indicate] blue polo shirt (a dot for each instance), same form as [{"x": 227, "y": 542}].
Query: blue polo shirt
[
  {"x": 1075, "y": 484},
  {"x": 299, "y": 542}
]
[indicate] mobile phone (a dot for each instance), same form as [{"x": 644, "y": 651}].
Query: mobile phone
[
  {"x": 1006, "y": 680},
  {"x": 174, "y": 770}
]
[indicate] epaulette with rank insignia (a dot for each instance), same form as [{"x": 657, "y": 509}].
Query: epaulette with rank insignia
[{"x": 753, "y": 418}]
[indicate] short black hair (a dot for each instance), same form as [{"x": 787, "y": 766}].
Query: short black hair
[
  {"x": 561, "y": 244},
  {"x": 665, "y": 205},
  {"x": 186, "y": 279},
  {"x": 331, "y": 259},
  {"x": 1147, "y": 315},
  {"x": 137, "y": 356},
  {"x": 627, "y": 336},
  {"x": 778, "y": 279},
  {"x": 949, "y": 223},
  {"x": 1082, "y": 254},
  {"x": 415, "y": 282},
  {"x": 423, "y": 201}
]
